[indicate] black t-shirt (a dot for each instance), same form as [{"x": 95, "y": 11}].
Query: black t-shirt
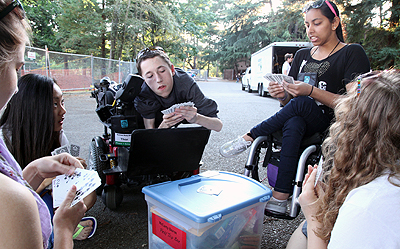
[
  {"x": 185, "y": 89},
  {"x": 335, "y": 71}
]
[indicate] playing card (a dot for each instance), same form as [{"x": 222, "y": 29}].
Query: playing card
[
  {"x": 276, "y": 78},
  {"x": 268, "y": 77},
  {"x": 60, "y": 150},
  {"x": 319, "y": 171},
  {"x": 74, "y": 150},
  {"x": 86, "y": 181},
  {"x": 172, "y": 108},
  {"x": 288, "y": 79}
]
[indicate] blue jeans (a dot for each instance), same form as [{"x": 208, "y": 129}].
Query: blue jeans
[
  {"x": 48, "y": 199},
  {"x": 300, "y": 117}
]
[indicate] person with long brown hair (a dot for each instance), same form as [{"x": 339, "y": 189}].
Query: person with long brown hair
[
  {"x": 25, "y": 218},
  {"x": 357, "y": 203}
]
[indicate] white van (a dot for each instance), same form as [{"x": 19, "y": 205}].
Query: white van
[{"x": 270, "y": 60}]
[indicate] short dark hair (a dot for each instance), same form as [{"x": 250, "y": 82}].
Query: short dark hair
[
  {"x": 287, "y": 56},
  {"x": 151, "y": 52}
]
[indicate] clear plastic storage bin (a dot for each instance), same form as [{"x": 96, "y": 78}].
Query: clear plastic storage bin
[{"x": 210, "y": 210}]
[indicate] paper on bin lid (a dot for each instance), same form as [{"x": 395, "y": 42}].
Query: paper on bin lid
[{"x": 221, "y": 193}]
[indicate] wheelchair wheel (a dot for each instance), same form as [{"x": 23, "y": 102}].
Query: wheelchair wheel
[
  {"x": 112, "y": 196},
  {"x": 94, "y": 163}
]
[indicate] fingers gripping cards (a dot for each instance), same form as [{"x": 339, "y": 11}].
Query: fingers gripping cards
[
  {"x": 86, "y": 181},
  {"x": 172, "y": 108},
  {"x": 279, "y": 78}
]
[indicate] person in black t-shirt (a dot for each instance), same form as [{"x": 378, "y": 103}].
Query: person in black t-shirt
[
  {"x": 166, "y": 86},
  {"x": 330, "y": 65}
]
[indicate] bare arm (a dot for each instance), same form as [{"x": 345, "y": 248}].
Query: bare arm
[
  {"x": 309, "y": 200},
  {"x": 149, "y": 123},
  {"x": 48, "y": 167},
  {"x": 214, "y": 124},
  {"x": 19, "y": 216},
  {"x": 190, "y": 114}
]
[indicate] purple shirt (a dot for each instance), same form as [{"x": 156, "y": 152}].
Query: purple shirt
[{"x": 9, "y": 167}]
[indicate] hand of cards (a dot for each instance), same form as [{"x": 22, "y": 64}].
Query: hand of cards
[
  {"x": 172, "y": 108},
  {"x": 72, "y": 149},
  {"x": 86, "y": 181},
  {"x": 279, "y": 78}
]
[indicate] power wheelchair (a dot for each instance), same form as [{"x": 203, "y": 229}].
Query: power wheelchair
[
  {"x": 129, "y": 154},
  {"x": 264, "y": 171}
]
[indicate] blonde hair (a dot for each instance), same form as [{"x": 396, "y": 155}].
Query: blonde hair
[
  {"x": 363, "y": 143},
  {"x": 13, "y": 33}
]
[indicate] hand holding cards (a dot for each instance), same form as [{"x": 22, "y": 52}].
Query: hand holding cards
[
  {"x": 86, "y": 181},
  {"x": 279, "y": 78},
  {"x": 172, "y": 108}
]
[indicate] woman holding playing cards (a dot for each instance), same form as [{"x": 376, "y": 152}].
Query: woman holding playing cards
[
  {"x": 25, "y": 218},
  {"x": 35, "y": 115},
  {"x": 328, "y": 67},
  {"x": 357, "y": 203},
  {"x": 166, "y": 86}
]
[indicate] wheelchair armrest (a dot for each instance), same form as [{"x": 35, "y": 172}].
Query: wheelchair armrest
[{"x": 253, "y": 149}]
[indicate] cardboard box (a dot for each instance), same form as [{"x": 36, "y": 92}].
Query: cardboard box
[{"x": 210, "y": 210}]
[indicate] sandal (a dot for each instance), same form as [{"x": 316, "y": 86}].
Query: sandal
[{"x": 80, "y": 227}]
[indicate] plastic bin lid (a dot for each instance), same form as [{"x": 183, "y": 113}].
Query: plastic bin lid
[{"x": 209, "y": 196}]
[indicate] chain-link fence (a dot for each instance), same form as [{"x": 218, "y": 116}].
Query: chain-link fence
[{"x": 74, "y": 71}]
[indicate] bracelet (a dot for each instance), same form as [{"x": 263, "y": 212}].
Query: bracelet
[
  {"x": 312, "y": 88},
  {"x": 283, "y": 99}
]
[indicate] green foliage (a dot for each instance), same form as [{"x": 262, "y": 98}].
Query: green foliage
[
  {"x": 202, "y": 34},
  {"x": 41, "y": 17}
]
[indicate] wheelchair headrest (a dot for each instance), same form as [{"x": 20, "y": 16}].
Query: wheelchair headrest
[
  {"x": 130, "y": 88},
  {"x": 105, "y": 81}
]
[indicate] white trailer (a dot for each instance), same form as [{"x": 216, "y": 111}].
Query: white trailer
[{"x": 270, "y": 60}]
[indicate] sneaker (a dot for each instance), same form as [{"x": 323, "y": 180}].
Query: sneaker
[
  {"x": 234, "y": 147},
  {"x": 276, "y": 207}
]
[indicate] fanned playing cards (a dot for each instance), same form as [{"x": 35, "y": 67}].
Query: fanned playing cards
[
  {"x": 172, "y": 108},
  {"x": 86, "y": 181},
  {"x": 279, "y": 78}
]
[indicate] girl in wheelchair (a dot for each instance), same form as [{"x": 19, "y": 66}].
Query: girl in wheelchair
[
  {"x": 358, "y": 205},
  {"x": 330, "y": 65}
]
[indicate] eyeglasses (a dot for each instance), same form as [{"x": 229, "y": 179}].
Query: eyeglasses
[
  {"x": 11, "y": 7},
  {"x": 317, "y": 5},
  {"x": 148, "y": 50}
]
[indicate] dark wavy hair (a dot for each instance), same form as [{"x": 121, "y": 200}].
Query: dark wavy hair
[
  {"x": 363, "y": 143},
  {"x": 28, "y": 121}
]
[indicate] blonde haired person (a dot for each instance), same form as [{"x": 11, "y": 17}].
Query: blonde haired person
[
  {"x": 25, "y": 218},
  {"x": 359, "y": 207}
]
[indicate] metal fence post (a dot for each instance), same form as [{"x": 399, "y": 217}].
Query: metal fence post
[
  {"x": 119, "y": 70},
  {"x": 92, "y": 68}
]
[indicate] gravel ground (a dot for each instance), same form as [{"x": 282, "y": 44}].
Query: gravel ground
[{"x": 126, "y": 227}]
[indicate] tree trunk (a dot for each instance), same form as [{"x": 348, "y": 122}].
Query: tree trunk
[{"x": 394, "y": 18}]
